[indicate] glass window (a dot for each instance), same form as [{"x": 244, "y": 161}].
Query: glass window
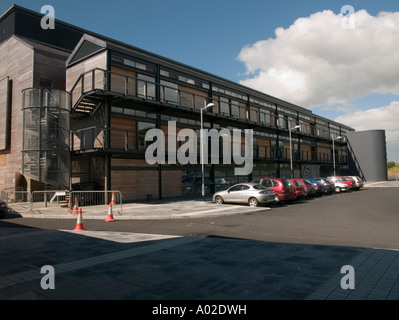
[
  {"x": 142, "y": 128},
  {"x": 146, "y": 87},
  {"x": 224, "y": 107},
  {"x": 259, "y": 187},
  {"x": 235, "y": 188},
  {"x": 235, "y": 109},
  {"x": 267, "y": 183},
  {"x": 264, "y": 117},
  {"x": 287, "y": 183},
  {"x": 169, "y": 92}
]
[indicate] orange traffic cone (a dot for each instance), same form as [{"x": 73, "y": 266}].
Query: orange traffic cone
[
  {"x": 75, "y": 207},
  {"x": 110, "y": 217},
  {"x": 79, "y": 223},
  {"x": 113, "y": 198},
  {"x": 69, "y": 206}
]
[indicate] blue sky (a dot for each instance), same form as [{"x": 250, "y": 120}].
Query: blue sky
[{"x": 228, "y": 38}]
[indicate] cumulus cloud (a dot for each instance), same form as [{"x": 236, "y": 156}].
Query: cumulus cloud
[{"x": 317, "y": 62}]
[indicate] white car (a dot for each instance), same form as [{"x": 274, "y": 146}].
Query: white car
[{"x": 339, "y": 186}]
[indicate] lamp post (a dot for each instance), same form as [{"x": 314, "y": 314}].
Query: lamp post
[
  {"x": 289, "y": 130},
  {"x": 333, "y": 139},
  {"x": 206, "y": 106}
]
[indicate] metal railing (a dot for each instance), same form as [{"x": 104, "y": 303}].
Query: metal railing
[
  {"x": 96, "y": 198},
  {"x": 102, "y": 80},
  {"x": 35, "y": 201}
]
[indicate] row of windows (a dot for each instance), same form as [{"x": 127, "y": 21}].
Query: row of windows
[
  {"x": 143, "y": 127},
  {"x": 146, "y": 88},
  {"x": 305, "y": 127}
]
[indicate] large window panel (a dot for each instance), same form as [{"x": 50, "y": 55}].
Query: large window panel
[
  {"x": 224, "y": 107},
  {"x": 146, "y": 87},
  {"x": 169, "y": 92}
]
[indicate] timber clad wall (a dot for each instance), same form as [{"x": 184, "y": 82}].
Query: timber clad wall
[
  {"x": 25, "y": 63},
  {"x": 4, "y": 112},
  {"x": 17, "y": 63},
  {"x": 123, "y": 133},
  {"x": 136, "y": 184},
  {"x": 118, "y": 82}
]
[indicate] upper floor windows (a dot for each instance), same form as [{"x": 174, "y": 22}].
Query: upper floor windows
[{"x": 133, "y": 64}]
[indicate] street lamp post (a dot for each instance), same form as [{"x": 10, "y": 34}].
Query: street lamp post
[
  {"x": 333, "y": 139},
  {"x": 289, "y": 130},
  {"x": 206, "y": 106}
]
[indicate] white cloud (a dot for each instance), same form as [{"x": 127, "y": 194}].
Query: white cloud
[
  {"x": 317, "y": 62},
  {"x": 386, "y": 118}
]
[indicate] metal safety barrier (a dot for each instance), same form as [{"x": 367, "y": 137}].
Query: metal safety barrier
[
  {"x": 96, "y": 198},
  {"x": 33, "y": 202}
]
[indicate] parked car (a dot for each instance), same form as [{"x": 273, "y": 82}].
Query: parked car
[
  {"x": 3, "y": 209},
  {"x": 319, "y": 187},
  {"x": 339, "y": 186},
  {"x": 310, "y": 190},
  {"x": 300, "y": 189},
  {"x": 251, "y": 193},
  {"x": 349, "y": 182},
  {"x": 327, "y": 183},
  {"x": 358, "y": 181},
  {"x": 283, "y": 188}
]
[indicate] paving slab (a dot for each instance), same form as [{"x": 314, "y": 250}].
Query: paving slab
[{"x": 118, "y": 266}]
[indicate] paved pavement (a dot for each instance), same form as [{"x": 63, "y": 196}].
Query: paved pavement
[
  {"x": 150, "y": 210},
  {"x": 116, "y": 265}
]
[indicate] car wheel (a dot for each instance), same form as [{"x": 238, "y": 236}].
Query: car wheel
[
  {"x": 337, "y": 189},
  {"x": 277, "y": 200},
  {"x": 253, "y": 202},
  {"x": 219, "y": 200}
]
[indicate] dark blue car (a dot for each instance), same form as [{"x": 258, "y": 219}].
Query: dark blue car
[{"x": 320, "y": 188}]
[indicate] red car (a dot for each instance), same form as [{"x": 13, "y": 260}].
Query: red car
[
  {"x": 300, "y": 188},
  {"x": 346, "y": 180},
  {"x": 310, "y": 189},
  {"x": 284, "y": 189}
]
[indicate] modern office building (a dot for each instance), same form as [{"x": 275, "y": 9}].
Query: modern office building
[{"x": 75, "y": 108}]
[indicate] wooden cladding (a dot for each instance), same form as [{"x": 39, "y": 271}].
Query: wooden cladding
[
  {"x": 137, "y": 184},
  {"x": 5, "y": 109},
  {"x": 123, "y": 133}
]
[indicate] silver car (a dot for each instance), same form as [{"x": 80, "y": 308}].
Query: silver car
[
  {"x": 251, "y": 193},
  {"x": 339, "y": 186},
  {"x": 358, "y": 181}
]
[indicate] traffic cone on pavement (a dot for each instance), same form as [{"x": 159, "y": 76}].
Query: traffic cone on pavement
[
  {"x": 79, "y": 223},
  {"x": 75, "y": 207},
  {"x": 110, "y": 217},
  {"x": 113, "y": 198},
  {"x": 69, "y": 206}
]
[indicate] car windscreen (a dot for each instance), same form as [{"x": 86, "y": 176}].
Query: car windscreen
[{"x": 287, "y": 183}]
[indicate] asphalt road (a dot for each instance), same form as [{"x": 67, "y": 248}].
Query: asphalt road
[{"x": 366, "y": 218}]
